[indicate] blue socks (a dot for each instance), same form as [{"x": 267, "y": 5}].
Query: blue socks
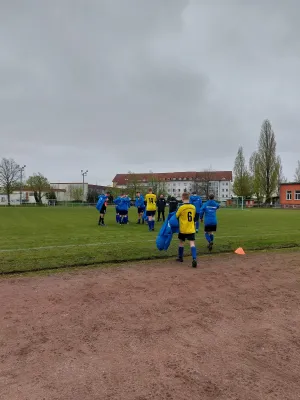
[
  {"x": 151, "y": 225},
  {"x": 117, "y": 218},
  {"x": 194, "y": 252},
  {"x": 180, "y": 252},
  {"x": 211, "y": 237},
  {"x": 207, "y": 237},
  {"x": 197, "y": 225}
]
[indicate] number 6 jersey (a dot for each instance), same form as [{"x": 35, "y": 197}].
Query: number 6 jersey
[{"x": 186, "y": 215}]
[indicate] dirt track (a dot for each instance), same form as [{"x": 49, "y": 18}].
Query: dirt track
[{"x": 227, "y": 330}]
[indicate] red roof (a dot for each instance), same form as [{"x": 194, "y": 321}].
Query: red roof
[{"x": 122, "y": 179}]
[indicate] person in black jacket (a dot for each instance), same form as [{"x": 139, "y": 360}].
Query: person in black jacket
[
  {"x": 173, "y": 204},
  {"x": 161, "y": 205}
]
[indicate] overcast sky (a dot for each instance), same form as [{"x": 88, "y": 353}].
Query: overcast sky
[{"x": 161, "y": 85}]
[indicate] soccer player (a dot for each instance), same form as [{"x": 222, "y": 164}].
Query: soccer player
[
  {"x": 117, "y": 202},
  {"x": 103, "y": 210},
  {"x": 209, "y": 211},
  {"x": 197, "y": 202},
  {"x": 150, "y": 208},
  {"x": 139, "y": 203},
  {"x": 173, "y": 204},
  {"x": 161, "y": 205},
  {"x": 123, "y": 209},
  {"x": 186, "y": 215}
]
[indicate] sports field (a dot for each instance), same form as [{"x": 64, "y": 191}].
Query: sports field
[
  {"x": 46, "y": 238},
  {"x": 159, "y": 330}
]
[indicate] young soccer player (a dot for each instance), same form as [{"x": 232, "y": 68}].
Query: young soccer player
[
  {"x": 197, "y": 202},
  {"x": 117, "y": 202},
  {"x": 209, "y": 211},
  {"x": 150, "y": 208},
  {"x": 186, "y": 215},
  {"x": 103, "y": 210},
  {"x": 123, "y": 209},
  {"x": 139, "y": 203}
]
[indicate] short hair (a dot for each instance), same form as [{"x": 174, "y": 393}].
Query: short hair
[
  {"x": 150, "y": 190},
  {"x": 194, "y": 193},
  {"x": 138, "y": 192},
  {"x": 185, "y": 196},
  {"x": 211, "y": 196}
]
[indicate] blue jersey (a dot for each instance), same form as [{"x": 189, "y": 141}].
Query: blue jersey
[
  {"x": 209, "y": 211},
  {"x": 124, "y": 204},
  {"x": 139, "y": 202},
  {"x": 117, "y": 202},
  {"x": 197, "y": 202},
  {"x": 101, "y": 201}
]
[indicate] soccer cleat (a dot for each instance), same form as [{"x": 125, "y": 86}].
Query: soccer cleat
[
  {"x": 210, "y": 246},
  {"x": 197, "y": 230},
  {"x": 179, "y": 259},
  {"x": 194, "y": 264}
]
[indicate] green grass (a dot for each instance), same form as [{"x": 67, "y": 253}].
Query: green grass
[{"x": 47, "y": 238}]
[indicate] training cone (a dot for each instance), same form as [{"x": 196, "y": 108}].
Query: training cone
[{"x": 240, "y": 251}]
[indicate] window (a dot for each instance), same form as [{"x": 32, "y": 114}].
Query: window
[
  {"x": 297, "y": 194},
  {"x": 178, "y": 190},
  {"x": 223, "y": 190},
  {"x": 173, "y": 190},
  {"x": 289, "y": 195},
  {"x": 226, "y": 190},
  {"x": 226, "y": 183}
]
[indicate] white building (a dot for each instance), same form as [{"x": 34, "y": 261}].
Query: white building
[
  {"x": 175, "y": 183},
  {"x": 70, "y": 191}
]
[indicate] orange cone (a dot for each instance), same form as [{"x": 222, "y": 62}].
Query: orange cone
[{"x": 240, "y": 251}]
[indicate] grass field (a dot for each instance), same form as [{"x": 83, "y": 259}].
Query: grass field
[{"x": 47, "y": 238}]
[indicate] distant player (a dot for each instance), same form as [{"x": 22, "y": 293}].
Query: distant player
[
  {"x": 186, "y": 215},
  {"x": 150, "y": 208},
  {"x": 197, "y": 202},
  {"x": 123, "y": 207},
  {"x": 173, "y": 204},
  {"x": 103, "y": 209},
  {"x": 209, "y": 211},
  {"x": 117, "y": 202},
  {"x": 161, "y": 205},
  {"x": 139, "y": 203}
]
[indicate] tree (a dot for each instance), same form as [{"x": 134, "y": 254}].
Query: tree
[
  {"x": 39, "y": 185},
  {"x": 202, "y": 182},
  {"x": 133, "y": 184},
  {"x": 242, "y": 185},
  {"x": 51, "y": 195},
  {"x": 254, "y": 168},
  {"x": 268, "y": 163},
  {"x": 9, "y": 176},
  {"x": 297, "y": 173},
  {"x": 75, "y": 192}
]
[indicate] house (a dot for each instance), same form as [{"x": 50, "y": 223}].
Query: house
[
  {"x": 290, "y": 195},
  {"x": 175, "y": 183},
  {"x": 24, "y": 196}
]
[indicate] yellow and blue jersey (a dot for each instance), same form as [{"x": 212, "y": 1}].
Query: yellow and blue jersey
[
  {"x": 151, "y": 202},
  {"x": 186, "y": 215}
]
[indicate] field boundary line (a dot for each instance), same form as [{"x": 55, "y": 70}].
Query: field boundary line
[{"x": 66, "y": 246}]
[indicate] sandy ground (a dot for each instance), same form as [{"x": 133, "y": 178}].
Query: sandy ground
[{"x": 227, "y": 330}]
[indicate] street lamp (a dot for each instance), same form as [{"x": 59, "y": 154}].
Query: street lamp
[
  {"x": 83, "y": 173},
  {"x": 22, "y": 169}
]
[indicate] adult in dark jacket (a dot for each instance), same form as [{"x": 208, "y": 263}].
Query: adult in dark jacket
[
  {"x": 173, "y": 204},
  {"x": 161, "y": 205}
]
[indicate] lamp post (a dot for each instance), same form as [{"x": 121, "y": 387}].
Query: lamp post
[
  {"x": 21, "y": 182},
  {"x": 83, "y": 173}
]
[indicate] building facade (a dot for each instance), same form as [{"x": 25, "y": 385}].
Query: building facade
[
  {"x": 290, "y": 195},
  {"x": 175, "y": 183},
  {"x": 26, "y": 196},
  {"x": 75, "y": 191}
]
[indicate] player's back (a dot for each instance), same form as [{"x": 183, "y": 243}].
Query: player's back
[
  {"x": 186, "y": 215},
  {"x": 151, "y": 202},
  {"x": 210, "y": 211},
  {"x": 197, "y": 202}
]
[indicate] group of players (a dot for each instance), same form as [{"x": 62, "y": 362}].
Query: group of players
[{"x": 189, "y": 215}]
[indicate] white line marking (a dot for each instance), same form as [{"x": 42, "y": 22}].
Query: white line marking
[{"x": 66, "y": 246}]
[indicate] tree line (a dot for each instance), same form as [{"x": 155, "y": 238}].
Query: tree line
[{"x": 263, "y": 175}]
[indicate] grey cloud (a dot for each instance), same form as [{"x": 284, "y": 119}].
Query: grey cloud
[{"x": 110, "y": 85}]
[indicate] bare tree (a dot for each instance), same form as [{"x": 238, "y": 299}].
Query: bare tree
[
  {"x": 75, "y": 192},
  {"x": 133, "y": 184},
  {"x": 297, "y": 173},
  {"x": 9, "y": 176},
  {"x": 204, "y": 180},
  {"x": 268, "y": 163},
  {"x": 281, "y": 177}
]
